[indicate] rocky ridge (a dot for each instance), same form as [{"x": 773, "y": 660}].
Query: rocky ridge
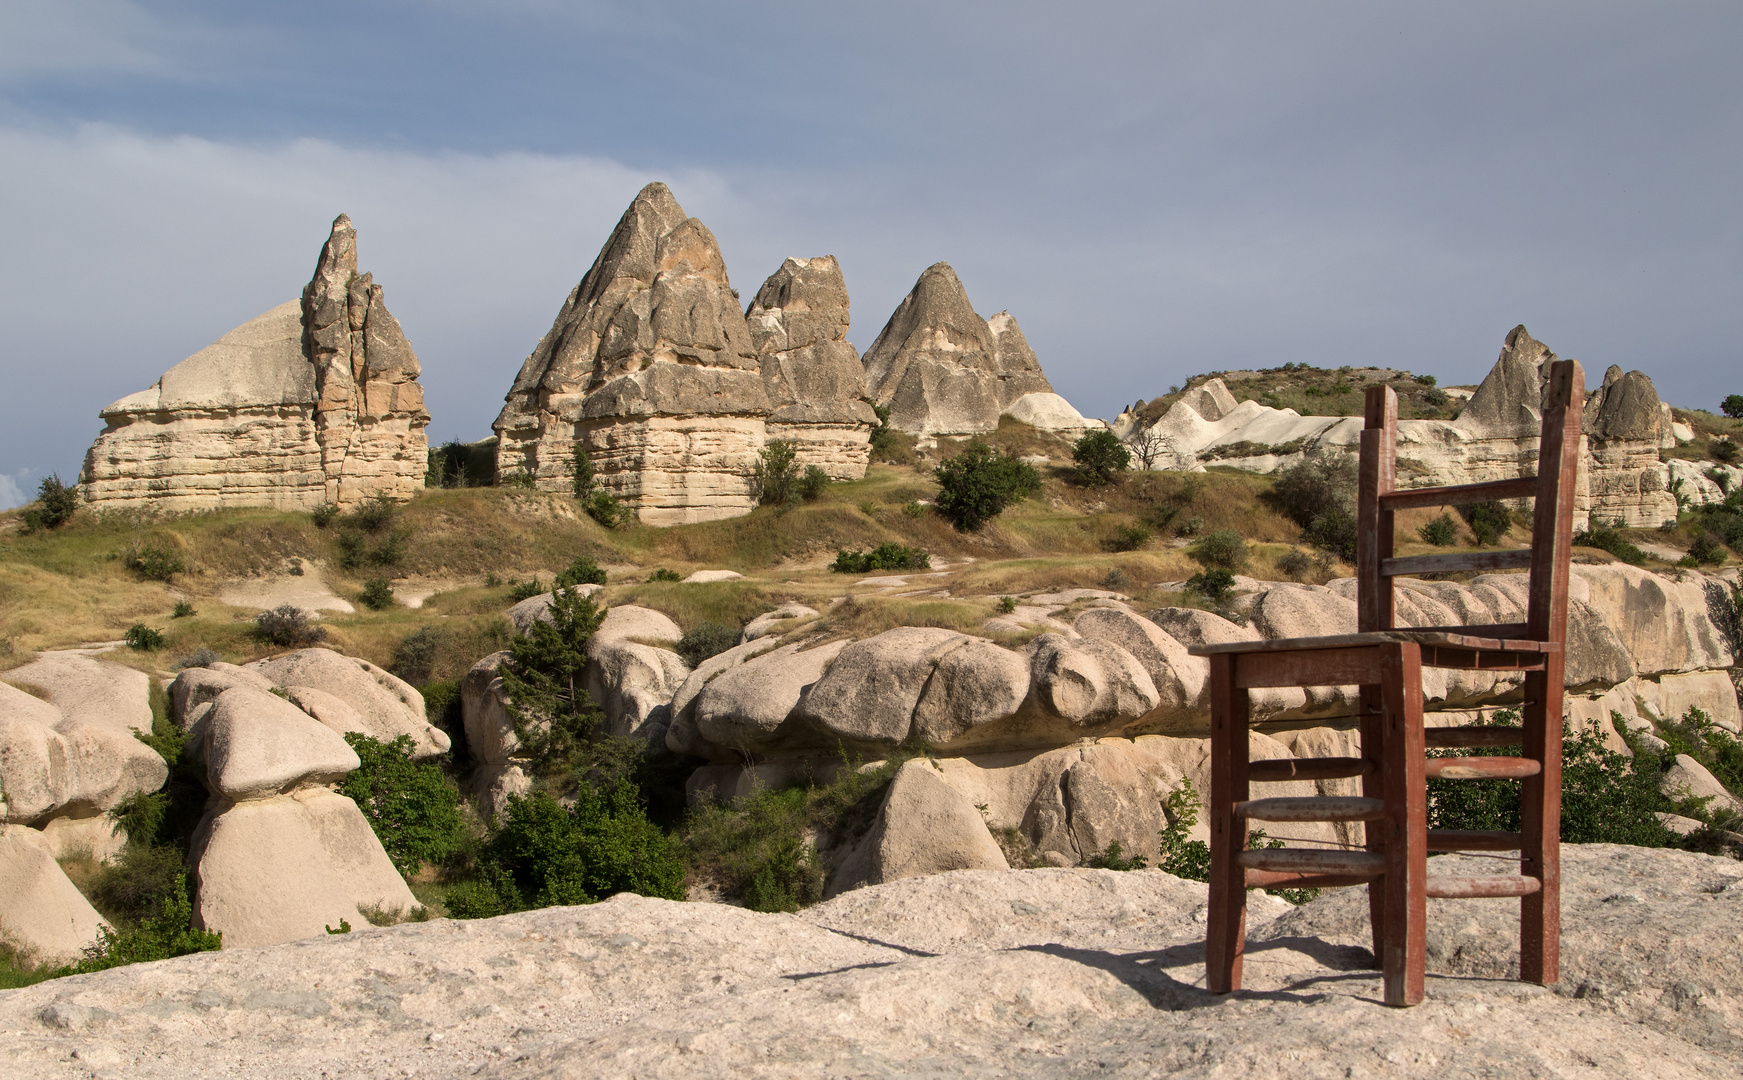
[{"x": 316, "y": 401}]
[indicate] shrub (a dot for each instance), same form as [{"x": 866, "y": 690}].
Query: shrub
[
  {"x": 1706, "y": 551},
  {"x": 1297, "y": 564},
  {"x": 1441, "y": 532},
  {"x": 1116, "y": 579},
  {"x": 776, "y": 475},
  {"x": 411, "y": 807},
  {"x": 581, "y": 471},
  {"x": 182, "y": 610},
  {"x": 543, "y": 680},
  {"x": 979, "y": 483},
  {"x": 813, "y": 483},
  {"x": 704, "y": 640},
  {"x": 1489, "y": 521},
  {"x": 1732, "y": 406},
  {"x": 1213, "y": 585},
  {"x": 518, "y": 478},
  {"x": 1426, "y": 380},
  {"x": 169, "y": 933},
  {"x": 414, "y": 659},
  {"x": 287, "y": 626},
  {"x": 155, "y": 563},
  {"x": 607, "y": 509},
  {"x": 373, "y": 515},
  {"x": 1224, "y": 548},
  {"x": 1609, "y": 538},
  {"x": 1184, "y": 858},
  {"x": 1724, "y": 450},
  {"x": 324, "y": 515},
  {"x": 144, "y": 638},
  {"x": 890, "y": 444},
  {"x": 200, "y": 657},
  {"x": 472, "y": 900},
  {"x": 886, "y": 556},
  {"x": 377, "y": 594},
  {"x": 526, "y": 590},
  {"x": 1319, "y": 495},
  {"x": 663, "y": 574},
  {"x": 582, "y": 571},
  {"x": 1100, "y": 457},
  {"x": 56, "y": 503},
  {"x": 1113, "y": 858},
  {"x": 1435, "y": 397},
  {"x": 914, "y": 508},
  {"x": 134, "y": 887},
  {"x": 1007, "y": 604},
  {"x": 1128, "y": 538}
]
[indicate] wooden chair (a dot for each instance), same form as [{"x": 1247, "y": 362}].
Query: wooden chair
[{"x": 1386, "y": 663}]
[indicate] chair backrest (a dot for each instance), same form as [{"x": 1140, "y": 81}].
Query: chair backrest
[{"x": 1552, "y": 490}]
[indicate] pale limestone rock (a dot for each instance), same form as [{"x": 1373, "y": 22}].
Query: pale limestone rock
[
  {"x": 1050, "y": 412},
  {"x": 923, "y": 827},
  {"x": 1180, "y": 678},
  {"x": 973, "y": 685},
  {"x": 704, "y": 576},
  {"x": 682, "y": 737},
  {"x": 41, "y": 911},
  {"x": 1689, "y": 779},
  {"x": 1089, "y": 682},
  {"x": 1670, "y": 697},
  {"x": 313, "y": 402},
  {"x": 96, "y": 836},
  {"x": 535, "y": 608},
  {"x": 353, "y": 695},
  {"x": 631, "y": 681},
  {"x": 771, "y": 622},
  {"x": 1663, "y": 624},
  {"x": 502, "y": 765},
  {"x": 869, "y": 692},
  {"x": 54, "y": 764},
  {"x": 258, "y": 745},
  {"x": 747, "y": 704}
]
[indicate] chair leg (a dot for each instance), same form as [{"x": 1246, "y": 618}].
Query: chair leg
[
  {"x": 1405, "y": 930},
  {"x": 1225, "y": 938},
  {"x": 1373, "y": 732},
  {"x": 1540, "y": 803}
]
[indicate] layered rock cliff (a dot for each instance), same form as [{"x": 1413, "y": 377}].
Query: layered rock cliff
[
  {"x": 316, "y": 401},
  {"x": 653, "y": 369}
]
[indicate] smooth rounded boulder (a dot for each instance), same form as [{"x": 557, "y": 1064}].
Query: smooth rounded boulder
[
  {"x": 259, "y": 745},
  {"x": 382, "y": 705},
  {"x": 870, "y": 690},
  {"x": 41, "y": 910},
  {"x": 745, "y": 707}
]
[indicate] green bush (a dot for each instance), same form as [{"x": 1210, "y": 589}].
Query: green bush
[
  {"x": 581, "y": 472},
  {"x": 1007, "y": 604},
  {"x": 582, "y": 571},
  {"x": 1224, "y": 548},
  {"x": 1114, "y": 858},
  {"x": 324, "y": 515},
  {"x": 136, "y": 885},
  {"x": 705, "y": 640},
  {"x": 1184, "y": 858},
  {"x": 373, "y": 516},
  {"x": 886, "y": 556},
  {"x": 1609, "y": 538},
  {"x": 979, "y": 483},
  {"x": 526, "y": 590},
  {"x": 546, "y": 854},
  {"x": 543, "y": 678},
  {"x": 775, "y": 478},
  {"x": 813, "y": 483},
  {"x": 182, "y": 610},
  {"x": 154, "y": 563},
  {"x": 56, "y": 503},
  {"x": 1724, "y": 450},
  {"x": 1706, "y": 551},
  {"x": 663, "y": 574},
  {"x": 377, "y": 594},
  {"x": 472, "y": 900},
  {"x": 287, "y": 626},
  {"x": 1297, "y": 564},
  {"x": 1213, "y": 585},
  {"x": 144, "y": 638},
  {"x": 411, "y": 806},
  {"x": 1426, "y": 380},
  {"x": 1319, "y": 494},
  {"x": 1489, "y": 521},
  {"x": 1732, "y": 406},
  {"x": 1128, "y": 538},
  {"x": 1100, "y": 457},
  {"x": 167, "y": 934},
  {"x": 1443, "y": 531},
  {"x": 604, "y": 507},
  {"x": 890, "y": 444}
]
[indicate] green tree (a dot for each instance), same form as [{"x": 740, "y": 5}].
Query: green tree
[
  {"x": 581, "y": 466},
  {"x": 1732, "y": 405},
  {"x": 546, "y": 854},
  {"x": 776, "y": 477},
  {"x": 979, "y": 483},
  {"x": 543, "y": 679},
  {"x": 55, "y": 504},
  {"x": 414, "y": 813},
  {"x": 1100, "y": 456}
]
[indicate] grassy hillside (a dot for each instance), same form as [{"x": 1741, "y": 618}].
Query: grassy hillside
[{"x": 1313, "y": 391}]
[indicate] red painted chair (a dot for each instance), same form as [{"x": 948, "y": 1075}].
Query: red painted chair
[{"x": 1387, "y": 662}]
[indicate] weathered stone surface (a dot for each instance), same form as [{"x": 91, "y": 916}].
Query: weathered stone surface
[
  {"x": 1050, "y": 412},
  {"x": 813, "y": 376},
  {"x": 634, "y": 682},
  {"x": 1088, "y": 682},
  {"x": 771, "y": 622},
  {"x": 870, "y": 690},
  {"x": 975, "y": 684},
  {"x": 314, "y": 401},
  {"x": 258, "y": 745},
  {"x": 924, "y": 827},
  {"x": 650, "y": 366},
  {"x": 1662, "y": 623},
  {"x": 536, "y": 608},
  {"x": 1689, "y": 779},
  {"x": 703, "y": 577},
  {"x": 748, "y": 703},
  {"x": 376, "y": 703},
  {"x": 96, "y": 836},
  {"x": 942, "y": 369},
  {"x": 959, "y": 974},
  {"x": 681, "y": 734},
  {"x": 41, "y": 911},
  {"x": 1179, "y": 677},
  {"x": 52, "y": 763}
]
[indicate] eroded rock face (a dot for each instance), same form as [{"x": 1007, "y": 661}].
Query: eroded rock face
[
  {"x": 349, "y": 694},
  {"x": 942, "y": 369},
  {"x": 77, "y": 762},
  {"x": 41, "y": 910},
  {"x": 316, "y": 401},
  {"x": 924, "y": 826}
]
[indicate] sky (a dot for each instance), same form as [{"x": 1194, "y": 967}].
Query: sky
[{"x": 1153, "y": 189}]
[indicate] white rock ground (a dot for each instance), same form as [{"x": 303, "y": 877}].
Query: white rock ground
[{"x": 967, "y": 974}]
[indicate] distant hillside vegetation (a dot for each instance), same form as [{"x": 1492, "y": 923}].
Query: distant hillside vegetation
[{"x": 1313, "y": 391}]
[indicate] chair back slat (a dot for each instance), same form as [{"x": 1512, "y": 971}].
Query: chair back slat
[{"x": 1552, "y": 491}]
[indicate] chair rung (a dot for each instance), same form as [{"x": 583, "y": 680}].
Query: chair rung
[
  {"x": 1271, "y": 879},
  {"x": 1444, "y": 738},
  {"x": 1313, "y": 808},
  {"x": 1282, "y": 770},
  {"x": 1448, "y": 887},
  {"x": 1459, "y": 562},
  {"x": 1481, "y": 768},
  {"x": 1524, "y": 487},
  {"x": 1505, "y": 631},
  {"x": 1314, "y": 861},
  {"x": 1474, "y": 840}
]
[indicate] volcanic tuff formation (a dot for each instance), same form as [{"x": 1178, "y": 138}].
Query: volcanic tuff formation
[
  {"x": 651, "y": 366},
  {"x": 942, "y": 369},
  {"x": 313, "y": 402}
]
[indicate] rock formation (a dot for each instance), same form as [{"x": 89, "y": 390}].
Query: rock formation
[
  {"x": 942, "y": 369},
  {"x": 1494, "y": 437},
  {"x": 652, "y": 368},
  {"x": 313, "y": 402},
  {"x": 1037, "y": 973}
]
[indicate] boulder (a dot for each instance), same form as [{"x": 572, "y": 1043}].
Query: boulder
[
  {"x": 52, "y": 764},
  {"x": 42, "y": 913},
  {"x": 770, "y": 622},
  {"x": 313, "y": 402},
  {"x": 87, "y": 689},
  {"x": 923, "y": 827},
  {"x": 94, "y": 836},
  {"x": 352, "y": 691},
  {"x": 869, "y": 692},
  {"x": 1179, "y": 677},
  {"x": 681, "y": 734},
  {"x": 1670, "y": 697},
  {"x": 484, "y": 710},
  {"x": 702, "y": 577},
  {"x": 973, "y": 685},
  {"x": 201, "y": 686},
  {"x": 631, "y": 681},
  {"x": 34, "y": 778},
  {"x": 747, "y": 704},
  {"x": 1663, "y": 624},
  {"x": 1689, "y": 779},
  {"x": 1050, "y": 412},
  {"x": 258, "y": 745},
  {"x": 535, "y": 608},
  {"x": 1089, "y": 683}
]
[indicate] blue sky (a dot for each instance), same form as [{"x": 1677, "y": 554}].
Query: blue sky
[{"x": 1154, "y": 190}]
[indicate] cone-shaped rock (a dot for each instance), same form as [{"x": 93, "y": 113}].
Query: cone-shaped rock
[
  {"x": 813, "y": 377},
  {"x": 315, "y": 401},
  {"x": 650, "y": 366},
  {"x": 941, "y": 368}
]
